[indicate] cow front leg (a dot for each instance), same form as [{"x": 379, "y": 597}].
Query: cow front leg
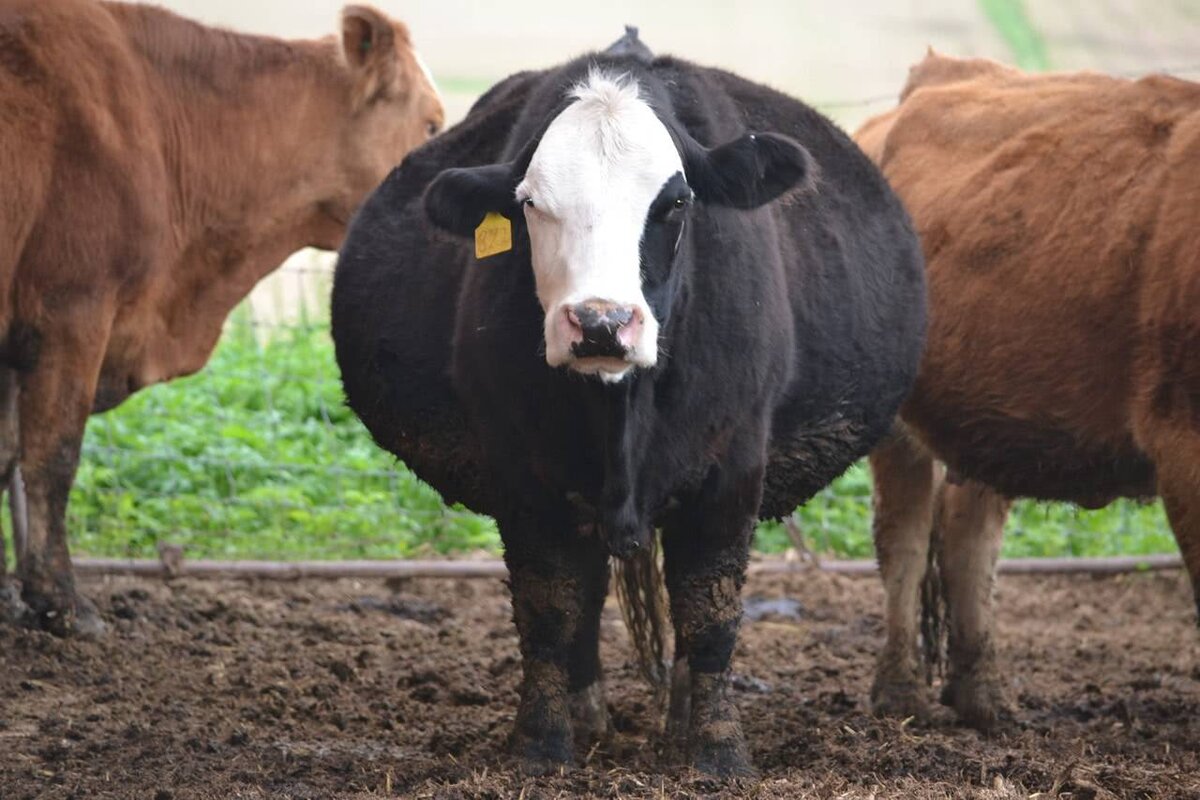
[
  {"x": 550, "y": 574},
  {"x": 11, "y": 607},
  {"x": 706, "y": 551},
  {"x": 55, "y": 400}
]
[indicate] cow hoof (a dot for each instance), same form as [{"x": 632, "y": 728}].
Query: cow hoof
[
  {"x": 589, "y": 715},
  {"x": 723, "y": 758},
  {"x": 898, "y": 698},
  {"x": 75, "y": 617},
  {"x": 543, "y": 755},
  {"x": 537, "y": 759},
  {"x": 979, "y": 701}
]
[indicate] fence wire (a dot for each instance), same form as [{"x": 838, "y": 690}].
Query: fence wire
[{"x": 257, "y": 456}]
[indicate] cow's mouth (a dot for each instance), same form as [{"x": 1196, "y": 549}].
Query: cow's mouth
[{"x": 607, "y": 367}]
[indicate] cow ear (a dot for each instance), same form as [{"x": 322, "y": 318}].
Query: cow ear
[
  {"x": 748, "y": 172},
  {"x": 369, "y": 42},
  {"x": 458, "y": 199}
]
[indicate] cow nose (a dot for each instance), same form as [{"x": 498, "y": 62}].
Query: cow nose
[{"x": 603, "y": 328}]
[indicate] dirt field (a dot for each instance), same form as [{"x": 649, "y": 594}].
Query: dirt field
[{"x": 211, "y": 689}]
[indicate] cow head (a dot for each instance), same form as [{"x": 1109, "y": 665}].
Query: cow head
[
  {"x": 604, "y": 194},
  {"x": 391, "y": 101}
]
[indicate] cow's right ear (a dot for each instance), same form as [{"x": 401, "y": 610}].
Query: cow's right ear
[{"x": 458, "y": 199}]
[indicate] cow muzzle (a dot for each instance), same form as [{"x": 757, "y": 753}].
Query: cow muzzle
[{"x": 602, "y": 329}]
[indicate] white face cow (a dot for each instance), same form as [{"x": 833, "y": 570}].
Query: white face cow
[
  {"x": 586, "y": 195},
  {"x": 604, "y": 194}
]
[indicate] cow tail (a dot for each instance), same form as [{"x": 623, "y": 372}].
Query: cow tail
[
  {"x": 934, "y": 628},
  {"x": 641, "y": 595}
]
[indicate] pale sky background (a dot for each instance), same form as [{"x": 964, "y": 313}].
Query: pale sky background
[{"x": 820, "y": 50}]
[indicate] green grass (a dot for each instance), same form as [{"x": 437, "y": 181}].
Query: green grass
[{"x": 258, "y": 457}]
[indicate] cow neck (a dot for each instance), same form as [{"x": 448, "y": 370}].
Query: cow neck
[
  {"x": 234, "y": 217},
  {"x": 618, "y": 513}
]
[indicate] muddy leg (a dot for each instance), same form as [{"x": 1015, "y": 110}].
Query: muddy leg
[
  {"x": 55, "y": 400},
  {"x": 971, "y": 523},
  {"x": 679, "y": 706},
  {"x": 706, "y": 550},
  {"x": 905, "y": 481},
  {"x": 552, "y": 575},
  {"x": 11, "y": 607},
  {"x": 585, "y": 678}
]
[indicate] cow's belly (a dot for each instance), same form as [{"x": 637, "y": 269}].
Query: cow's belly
[
  {"x": 806, "y": 461},
  {"x": 1024, "y": 458}
]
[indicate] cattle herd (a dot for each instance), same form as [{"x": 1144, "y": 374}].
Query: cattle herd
[{"x": 626, "y": 297}]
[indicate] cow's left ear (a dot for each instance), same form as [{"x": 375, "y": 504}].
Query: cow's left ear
[
  {"x": 369, "y": 42},
  {"x": 749, "y": 171}
]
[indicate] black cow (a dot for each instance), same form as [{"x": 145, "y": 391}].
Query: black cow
[{"x": 685, "y": 309}]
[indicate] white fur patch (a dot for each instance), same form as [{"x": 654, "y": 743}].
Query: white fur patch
[{"x": 599, "y": 166}]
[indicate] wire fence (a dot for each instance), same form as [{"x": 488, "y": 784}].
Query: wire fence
[{"x": 257, "y": 456}]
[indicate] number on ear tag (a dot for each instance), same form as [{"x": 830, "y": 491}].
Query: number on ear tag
[{"x": 494, "y": 235}]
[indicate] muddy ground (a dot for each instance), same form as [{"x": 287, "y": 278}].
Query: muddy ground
[{"x": 228, "y": 689}]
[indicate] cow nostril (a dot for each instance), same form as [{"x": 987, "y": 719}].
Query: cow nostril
[
  {"x": 621, "y": 316},
  {"x": 572, "y": 318}
]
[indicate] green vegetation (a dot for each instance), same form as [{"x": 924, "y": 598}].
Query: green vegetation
[
  {"x": 1011, "y": 20},
  {"x": 257, "y": 457}
]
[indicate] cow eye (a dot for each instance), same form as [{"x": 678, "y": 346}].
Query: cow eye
[
  {"x": 432, "y": 129},
  {"x": 529, "y": 202},
  {"x": 680, "y": 202}
]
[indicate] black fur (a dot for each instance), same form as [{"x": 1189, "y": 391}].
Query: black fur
[{"x": 791, "y": 333}]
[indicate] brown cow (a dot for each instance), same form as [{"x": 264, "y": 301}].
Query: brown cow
[
  {"x": 154, "y": 170},
  {"x": 1060, "y": 216}
]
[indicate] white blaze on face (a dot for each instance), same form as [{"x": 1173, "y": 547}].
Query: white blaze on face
[{"x": 598, "y": 167}]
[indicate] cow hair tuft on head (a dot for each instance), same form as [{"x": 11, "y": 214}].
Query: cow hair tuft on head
[{"x": 607, "y": 98}]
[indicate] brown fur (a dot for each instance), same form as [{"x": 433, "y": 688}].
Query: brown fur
[
  {"x": 1060, "y": 217},
  {"x": 156, "y": 170}
]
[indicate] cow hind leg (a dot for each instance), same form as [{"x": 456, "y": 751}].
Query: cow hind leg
[
  {"x": 970, "y": 523},
  {"x": 55, "y": 400},
  {"x": 585, "y": 678},
  {"x": 905, "y": 479}
]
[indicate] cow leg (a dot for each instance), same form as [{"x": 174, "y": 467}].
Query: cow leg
[
  {"x": 552, "y": 575},
  {"x": 905, "y": 480},
  {"x": 1179, "y": 486},
  {"x": 971, "y": 525},
  {"x": 679, "y": 705},
  {"x": 11, "y": 607},
  {"x": 55, "y": 400},
  {"x": 585, "y": 680},
  {"x": 706, "y": 549}
]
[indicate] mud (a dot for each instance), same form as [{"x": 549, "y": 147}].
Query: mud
[{"x": 228, "y": 689}]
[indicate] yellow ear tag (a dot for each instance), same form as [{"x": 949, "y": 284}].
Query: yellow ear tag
[{"x": 494, "y": 235}]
